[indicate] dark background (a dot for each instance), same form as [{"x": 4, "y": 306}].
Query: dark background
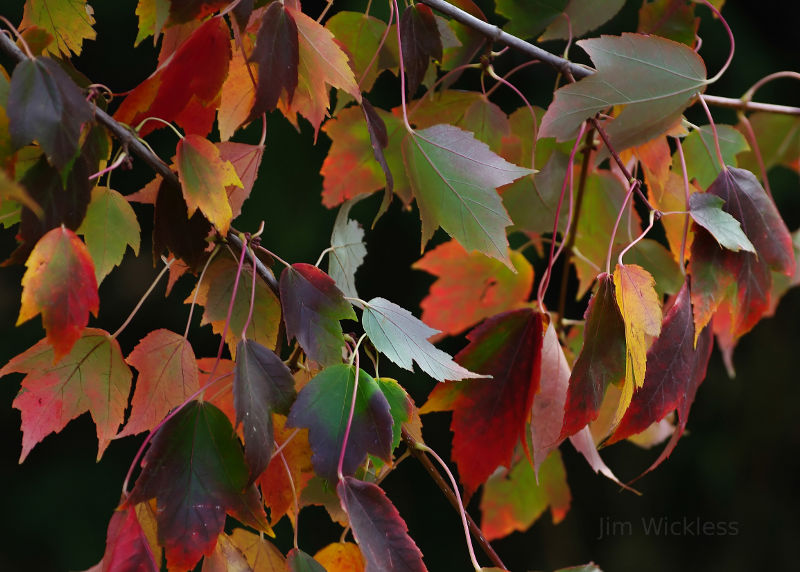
[{"x": 738, "y": 466}]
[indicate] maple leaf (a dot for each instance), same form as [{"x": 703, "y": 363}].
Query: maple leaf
[
  {"x": 675, "y": 368},
  {"x": 640, "y": 308},
  {"x": 109, "y": 227},
  {"x": 204, "y": 175},
  {"x": 490, "y": 416},
  {"x": 181, "y": 11},
  {"x": 361, "y": 35},
  {"x": 236, "y": 97},
  {"x": 380, "y": 532},
  {"x": 323, "y": 407},
  {"x": 454, "y": 178},
  {"x": 671, "y": 19},
  {"x": 196, "y": 471},
  {"x": 470, "y": 286},
  {"x": 60, "y": 284},
  {"x": 299, "y": 561},
  {"x": 277, "y": 53},
  {"x": 379, "y": 139},
  {"x": 92, "y": 377},
  {"x": 402, "y": 338},
  {"x": 420, "y": 41},
  {"x": 702, "y": 164},
  {"x": 68, "y": 21},
  {"x": 654, "y": 78},
  {"x": 260, "y": 553},
  {"x": 514, "y": 499},
  {"x": 347, "y": 250},
  {"x": 152, "y": 15},
  {"x": 706, "y": 210},
  {"x": 45, "y": 105},
  {"x": 167, "y": 377},
  {"x": 529, "y": 19},
  {"x": 246, "y": 160},
  {"x": 127, "y": 547},
  {"x": 180, "y": 90},
  {"x": 262, "y": 384},
  {"x": 601, "y": 361},
  {"x": 341, "y": 557},
  {"x": 312, "y": 307}
]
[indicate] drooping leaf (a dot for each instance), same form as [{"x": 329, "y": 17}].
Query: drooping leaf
[
  {"x": 261, "y": 554},
  {"x": 601, "y": 361},
  {"x": 92, "y": 377},
  {"x": 470, "y": 286},
  {"x": 547, "y": 413},
  {"x": 529, "y": 19},
  {"x": 669, "y": 194},
  {"x": 110, "y": 226},
  {"x": 654, "y": 78},
  {"x": 68, "y": 21},
  {"x": 204, "y": 176},
  {"x": 236, "y": 97},
  {"x": 347, "y": 250},
  {"x": 167, "y": 377},
  {"x": 671, "y": 19},
  {"x": 700, "y": 153},
  {"x": 299, "y": 561},
  {"x": 323, "y": 406},
  {"x": 59, "y": 283},
  {"x": 675, "y": 369},
  {"x": 226, "y": 557},
  {"x": 402, "y": 338},
  {"x": 127, "y": 547},
  {"x": 658, "y": 261},
  {"x": 262, "y": 384},
  {"x": 584, "y": 444},
  {"x": 379, "y": 139},
  {"x": 312, "y": 307},
  {"x": 706, "y": 210},
  {"x": 490, "y": 416},
  {"x": 152, "y": 15},
  {"x": 214, "y": 294},
  {"x": 246, "y": 160},
  {"x": 180, "y": 90},
  {"x": 341, "y": 557},
  {"x": 401, "y": 406},
  {"x": 513, "y": 499},
  {"x": 420, "y": 41},
  {"x": 454, "y": 178},
  {"x": 640, "y": 308},
  {"x": 196, "y": 471},
  {"x": 277, "y": 53},
  {"x": 45, "y": 105},
  {"x": 381, "y": 533},
  {"x": 175, "y": 231},
  {"x": 581, "y": 16}
]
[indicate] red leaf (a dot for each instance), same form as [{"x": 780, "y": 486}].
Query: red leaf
[
  {"x": 601, "y": 361},
  {"x": 181, "y": 11},
  {"x": 167, "y": 377},
  {"x": 60, "y": 283},
  {"x": 127, "y": 548},
  {"x": 246, "y": 159},
  {"x": 277, "y": 54},
  {"x": 490, "y": 416},
  {"x": 420, "y": 40},
  {"x": 181, "y": 84},
  {"x": 92, "y": 377},
  {"x": 380, "y": 532},
  {"x": 675, "y": 369}
]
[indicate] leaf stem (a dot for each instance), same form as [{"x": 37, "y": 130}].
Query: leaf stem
[
  {"x": 402, "y": 71},
  {"x": 713, "y": 125},
  {"x": 512, "y": 87},
  {"x": 296, "y": 523},
  {"x": 252, "y": 298},
  {"x": 159, "y": 120},
  {"x": 753, "y": 141},
  {"x": 16, "y": 33},
  {"x": 352, "y": 411},
  {"x": 197, "y": 290},
  {"x": 686, "y": 194},
  {"x": 127, "y": 321},
  {"x": 622, "y": 209},
  {"x": 638, "y": 238},
  {"x": 730, "y": 37},
  {"x": 380, "y": 44}
]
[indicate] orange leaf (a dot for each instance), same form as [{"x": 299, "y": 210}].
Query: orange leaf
[
  {"x": 246, "y": 159},
  {"x": 238, "y": 94},
  {"x": 167, "y": 377},
  {"x": 204, "y": 177},
  {"x": 92, "y": 377},
  {"x": 60, "y": 283},
  {"x": 341, "y": 557}
]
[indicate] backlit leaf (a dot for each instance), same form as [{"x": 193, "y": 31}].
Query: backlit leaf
[
  {"x": 671, "y": 19},
  {"x": 246, "y": 160},
  {"x": 204, "y": 176},
  {"x": 361, "y": 35},
  {"x": 196, "y": 471},
  {"x": 167, "y": 377},
  {"x": 514, "y": 499},
  {"x": 262, "y": 384},
  {"x": 700, "y": 153},
  {"x": 299, "y": 561},
  {"x": 601, "y": 361},
  {"x": 381, "y": 533},
  {"x": 341, "y": 557},
  {"x": 420, "y": 41},
  {"x": 347, "y": 250},
  {"x": 152, "y": 15},
  {"x": 110, "y": 226},
  {"x": 490, "y": 415},
  {"x": 126, "y": 545},
  {"x": 236, "y": 97},
  {"x": 470, "y": 286},
  {"x": 454, "y": 178},
  {"x": 59, "y": 283},
  {"x": 45, "y": 105},
  {"x": 277, "y": 54},
  {"x": 323, "y": 406},
  {"x": 312, "y": 307},
  {"x": 181, "y": 11},
  {"x": 401, "y": 406},
  {"x": 654, "y": 78},
  {"x": 261, "y": 554},
  {"x": 226, "y": 557},
  {"x": 640, "y": 308},
  {"x": 581, "y": 16},
  {"x": 68, "y": 21},
  {"x": 402, "y": 338},
  {"x": 706, "y": 210},
  {"x": 92, "y": 377},
  {"x": 658, "y": 261},
  {"x": 547, "y": 413}
]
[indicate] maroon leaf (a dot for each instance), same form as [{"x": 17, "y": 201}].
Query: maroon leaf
[
  {"x": 262, "y": 384},
  {"x": 380, "y": 532},
  {"x": 312, "y": 307},
  {"x": 242, "y": 11},
  {"x": 675, "y": 369},
  {"x": 181, "y": 11},
  {"x": 277, "y": 53},
  {"x": 174, "y": 231},
  {"x": 379, "y": 140},
  {"x": 601, "y": 361},
  {"x": 421, "y": 41}
]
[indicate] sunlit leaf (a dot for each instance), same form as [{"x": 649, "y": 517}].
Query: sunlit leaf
[
  {"x": 68, "y": 21},
  {"x": 261, "y": 554},
  {"x": 246, "y": 160},
  {"x": 236, "y": 97},
  {"x": 152, "y": 15},
  {"x": 341, "y": 557}
]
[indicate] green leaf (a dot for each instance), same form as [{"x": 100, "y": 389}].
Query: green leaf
[
  {"x": 109, "y": 227},
  {"x": 69, "y": 22},
  {"x": 361, "y": 35},
  {"x": 400, "y": 336},
  {"x": 671, "y": 19},
  {"x": 778, "y": 139},
  {"x": 529, "y": 18},
  {"x": 582, "y": 16},
  {"x": 701, "y": 156},
  {"x": 323, "y": 406},
  {"x": 299, "y": 561},
  {"x": 655, "y": 79},
  {"x": 400, "y": 406},
  {"x": 347, "y": 249},
  {"x": 706, "y": 210},
  {"x": 454, "y": 178},
  {"x": 656, "y": 259}
]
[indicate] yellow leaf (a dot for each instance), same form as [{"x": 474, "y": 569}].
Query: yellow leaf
[
  {"x": 341, "y": 557},
  {"x": 68, "y": 21}
]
